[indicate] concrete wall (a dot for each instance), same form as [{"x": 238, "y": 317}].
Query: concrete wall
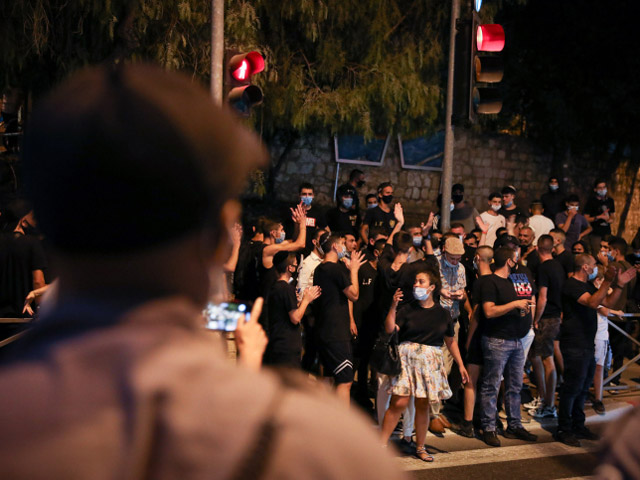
[{"x": 481, "y": 163}]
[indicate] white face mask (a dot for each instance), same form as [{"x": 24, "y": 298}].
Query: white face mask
[{"x": 495, "y": 208}]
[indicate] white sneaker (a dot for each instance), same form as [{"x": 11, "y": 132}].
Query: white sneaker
[
  {"x": 533, "y": 404},
  {"x": 544, "y": 412}
]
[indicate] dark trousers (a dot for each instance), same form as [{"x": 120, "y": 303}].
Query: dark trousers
[{"x": 579, "y": 367}]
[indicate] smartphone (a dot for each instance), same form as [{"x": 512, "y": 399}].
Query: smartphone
[{"x": 225, "y": 316}]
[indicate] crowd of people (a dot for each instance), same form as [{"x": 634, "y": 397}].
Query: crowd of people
[
  {"x": 521, "y": 289},
  {"x": 133, "y": 176}
]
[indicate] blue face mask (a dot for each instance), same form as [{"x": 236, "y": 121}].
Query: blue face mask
[
  {"x": 594, "y": 274},
  {"x": 507, "y": 205},
  {"x": 280, "y": 239},
  {"x": 553, "y": 188},
  {"x": 636, "y": 254},
  {"x": 417, "y": 240},
  {"x": 347, "y": 202},
  {"x": 420, "y": 293},
  {"x": 449, "y": 264},
  {"x": 342, "y": 253},
  {"x": 306, "y": 200},
  {"x": 372, "y": 205},
  {"x": 475, "y": 266},
  {"x": 610, "y": 257}
]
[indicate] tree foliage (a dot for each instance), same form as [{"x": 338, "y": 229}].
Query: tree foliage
[{"x": 364, "y": 67}]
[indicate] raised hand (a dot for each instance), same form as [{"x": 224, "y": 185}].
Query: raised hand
[
  {"x": 397, "y": 297},
  {"x": 398, "y": 212},
  {"x": 355, "y": 262},
  {"x": 299, "y": 214},
  {"x": 481, "y": 225},
  {"x": 426, "y": 227},
  {"x": 610, "y": 274},
  {"x": 626, "y": 276},
  {"x": 236, "y": 234}
]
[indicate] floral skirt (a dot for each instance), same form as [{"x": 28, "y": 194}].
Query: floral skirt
[{"x": 423, "y": 373}]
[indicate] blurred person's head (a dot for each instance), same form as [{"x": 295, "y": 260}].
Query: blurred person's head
[
  {"x": 471, "y": 241},
  {"x": 134, "y": 174},
  {"x": 579, "y": 247},
  {"x": 372, "y": 200}
]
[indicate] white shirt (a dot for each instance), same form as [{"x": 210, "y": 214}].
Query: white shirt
[
  {"x": 602, "y": 333},
  {"x": 541, "y": 225},
  {"x": 493, "y": 222},
  {"x": 307, "y": 267}
]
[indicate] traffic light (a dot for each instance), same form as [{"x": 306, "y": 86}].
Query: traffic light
[
  {"x": 478, "y": 67},
  {"x": 242, "y": 95}
]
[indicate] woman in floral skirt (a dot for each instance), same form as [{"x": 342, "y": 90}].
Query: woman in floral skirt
[{"x": 422, "y": 325}]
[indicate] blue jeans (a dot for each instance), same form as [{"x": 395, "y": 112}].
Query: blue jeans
[
  {"x": 579, "y": 367},
  {"x": 501, "y": 357}
]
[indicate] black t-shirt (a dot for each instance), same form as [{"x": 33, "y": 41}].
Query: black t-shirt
[
  {"x": 551, "y": 275},
  {"x": 378, "y": 218},
  {"x": 246, "y": 281},
  {"x": 284, "y": 336},
  {"x": 566, "y": 260},
  {"x": 579, "y": 322},
  {"x": 553, "y": 204},
  {"x": 427, "y": 326},
  {"x": 315, "y": 219},
  {"x": 19, "y": 257},
  {"x": 475, "y": 300},
  {"x": 518, "y": 212},
  {"x": 332, "y": 307},
  {"x": 366, "y": 278},
  {"x": 596, "y": 206},
  {"x": 347, "y": 222},
  {"x": 533, "y": 262},
  {"x": 500, "y": 291}
]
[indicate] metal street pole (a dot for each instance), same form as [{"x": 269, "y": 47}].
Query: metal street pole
[
  {"x": 217, "y": 49},
  {"x": 447, "y": 164}
]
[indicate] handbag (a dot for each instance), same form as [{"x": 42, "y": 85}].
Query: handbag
[{"x": 385, "y": 357}]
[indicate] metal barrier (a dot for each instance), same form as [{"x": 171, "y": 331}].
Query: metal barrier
[
  {"x": 15, "y": 337},
  {"x": 632, "y": 317}
]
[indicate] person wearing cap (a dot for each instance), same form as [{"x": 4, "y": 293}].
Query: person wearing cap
[
  {"x": 463, "y": 212},
  {"x": 133, "y": 174},
  {"x": 356, "y": 181},
  {"x": 509, "y": 207}
]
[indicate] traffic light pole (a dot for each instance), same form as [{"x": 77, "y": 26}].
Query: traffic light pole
[
  {"x": 217, "y": 50},
  {"x": 447, "y": 164}
]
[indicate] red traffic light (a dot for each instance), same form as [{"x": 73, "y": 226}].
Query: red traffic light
[
  {"x": 243, "y": 66},
  {"x": 490, "y": 38}
]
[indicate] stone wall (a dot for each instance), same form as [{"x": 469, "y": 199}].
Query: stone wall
[{"x": 481, "y": 163}]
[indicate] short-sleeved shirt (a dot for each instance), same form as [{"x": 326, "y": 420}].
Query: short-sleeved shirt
[
  {"x": 566, "y": 260},
  {"x": 366, "y": 278},
  {"x": 475, "y": 300},
  {"x": 347, "y": 222},
  {"x": 493, "y": 222},
  {"x": 284, "y": 336},
  {"x": 578, "y": 225},
  {"x": 500, "y": 291},
  {"x": 332, "y": 307},
  {"x": 551, "y": 275},
  {"x": 579, "y": 322},
  {"x": 466, "y": 215},
  {"x": 596, "y": 206},
  {"x": 517, "y": 211},
  {"x": 427, "y": 326},
  {"x": 378, "y": 218}
]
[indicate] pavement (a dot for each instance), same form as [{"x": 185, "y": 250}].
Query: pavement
[{"x": 460, "y": 457}]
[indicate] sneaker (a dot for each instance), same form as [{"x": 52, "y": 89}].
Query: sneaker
[
  {"x": 584, "y": 432},
  {"x": 466, "y": 429},
  {"x": 544, "y": 412},
  {"x": 520, "y": 433},
  {"x": 598, "y": 407},
  {"x": 491, "y": 439},
  {"x": 567, "y": 438},
  {"x": 533, "y": 404}
]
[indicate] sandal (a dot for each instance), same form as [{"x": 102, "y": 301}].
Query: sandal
[{"x": 422, "y": 454}]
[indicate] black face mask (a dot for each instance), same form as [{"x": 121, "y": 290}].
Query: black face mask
[
  {"x": 457, "y": 198},
  {"x": 387, "y": 199},
  {"x": 360, "y": 184}
]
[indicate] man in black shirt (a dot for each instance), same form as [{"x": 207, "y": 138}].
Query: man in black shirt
[
  {"x": 529, "y": 257},
  {"x": 382, "y": 216},
  {"x": 600, "y": 212},
  {"x": 506, "y": 303},
  {"x": 509, "y": 207},
  {"x": 564, "y": 256},
  {"x": 343, "y": 218},
  {"x": 547, "y": 322},
  {"x": 339, "y": 284},
  {"x": 553, "y": 200},
  {"x": 284, "y": 314},
  {"x": 580, "y": 299}
]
